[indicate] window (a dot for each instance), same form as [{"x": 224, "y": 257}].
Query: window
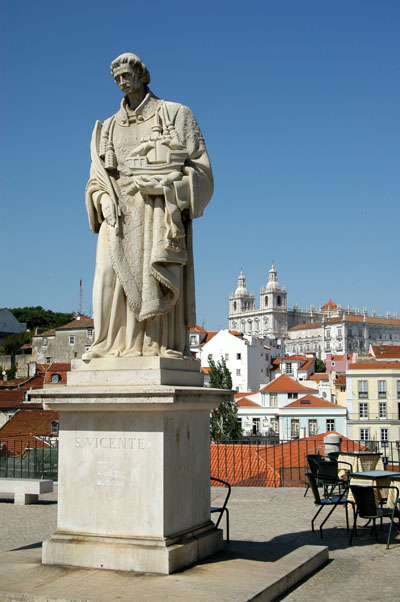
[
  {"x": 72, "y": 340},
  {"x": 90, "y": 332},
  {"x": 327, "y": 346},
  {"x": 330, "y": 424},
  {"x": 339, "y": 333},
  {"x": 266, "y": 301},
  {"x": 312, "y": 427},
  {"x": 384, "y": 435},
  {"x": 54, "y": 427},
  {"x": 44, "y": 342},
  {"x": 273, "y": 400},
  {"x": 234, "y": 306},
  {"x": 292, "y": 395},
  {"x": 289, "y": 368},
  {"x": 363, "y": 410},
  {"x": 294, "y": 427},
  {"x": 193, "y": 339},
  {"x": 238, "y": 356},
  {"x": 55, "y": 378},
  {"x": 364, "y": 435},
  {"x": 275, "y": 425},
  {"x": 382, "y": 389},
  {"x": 48, "y": 360},
  {"x": 328, "y": 333},
  {"x": 278, "y": 300},
  {"x": 256, "y": 426},
  {"x": 238, "y": 372},
  {"x": 398, "y": 389},
  {"x": 382, "y": 409},
  {"x": 226, "y": 356},
  {"x": 362, "y": 389}
]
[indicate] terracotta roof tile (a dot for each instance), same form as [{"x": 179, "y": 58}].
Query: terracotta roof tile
[
  {"x": 386, "y": 351},
  {"x": 375, "y": 365},
  {"x": 340, "y": 379},
  {"x": 283, "y": 464},
  {"x": 329, "y": 305},
  {"x": 77, "y": 324},
  {"x": 284, "y": 383},
  {"x": 311, "y": 401},
  {"x": 319, "y": 376},
  {"x": 30, "y": 422},
  {"x": 244, "y": 402}
]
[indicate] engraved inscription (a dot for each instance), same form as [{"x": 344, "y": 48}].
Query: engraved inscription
[
  {"x": 112, "y": 442},
  {"x": 109, "y": 475}
]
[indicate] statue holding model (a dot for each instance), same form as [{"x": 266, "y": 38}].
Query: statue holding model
[{"x": 150, "y": 176}]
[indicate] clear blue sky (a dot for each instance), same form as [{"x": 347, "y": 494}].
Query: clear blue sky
[{"x": 298, "y": 101}]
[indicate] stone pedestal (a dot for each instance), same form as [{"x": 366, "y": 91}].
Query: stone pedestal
[{"x": 134, "y": 468}]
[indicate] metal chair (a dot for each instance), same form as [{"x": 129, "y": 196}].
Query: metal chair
[
  {"x": 367, "y": 508},
  {"x": 326, "y": 473},
  {"x": 223, "y": 508},
  {"x": 329, "y": 500}
]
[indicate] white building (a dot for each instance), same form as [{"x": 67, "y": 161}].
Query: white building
[
  {"x": 345, "y": 334},
  {"x": 329, "y": 329},
  {"x": 289, "y": 410},
  {"x": 249, "y": 358}
]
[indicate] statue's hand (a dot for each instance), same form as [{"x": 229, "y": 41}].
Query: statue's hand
[
  {"x": 148, "y": 185},
  {"x": 171, "y": 177},
  {"x": 108, "y": 210}
]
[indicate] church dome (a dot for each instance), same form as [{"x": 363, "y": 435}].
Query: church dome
[
  {"x": 241, "y": 287},
  {"x": 273, "y": 284}
]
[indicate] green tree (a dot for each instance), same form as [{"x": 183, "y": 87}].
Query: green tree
[
  {"x": 319, "y": 365},
  {"x": 37, "y": 317},
  {"x": 224, "y": 425},
  {"x": 12, "y": 344}
]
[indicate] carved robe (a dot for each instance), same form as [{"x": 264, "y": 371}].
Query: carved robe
[{"x": 143, "y": 294}]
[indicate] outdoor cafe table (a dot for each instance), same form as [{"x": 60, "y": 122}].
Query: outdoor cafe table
[
  {"x": 383, "y": 478},
  {"x": 361, "y": 460}
]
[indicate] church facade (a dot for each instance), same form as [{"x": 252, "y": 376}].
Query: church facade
[{"x": 328, "y": 329}]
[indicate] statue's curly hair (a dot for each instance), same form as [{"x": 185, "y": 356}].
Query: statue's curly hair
[{"x": 135, "y": 62}]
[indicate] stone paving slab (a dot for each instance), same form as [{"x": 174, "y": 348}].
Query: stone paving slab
[
  {"x": 266, "y": 525},
  {"x": 226, "y": 576}
]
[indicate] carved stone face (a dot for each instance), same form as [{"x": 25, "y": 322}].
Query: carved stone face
[{"x": 127, "y": 79}]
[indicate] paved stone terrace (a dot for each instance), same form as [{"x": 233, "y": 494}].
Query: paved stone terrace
[{"x": 279, "y": 516}]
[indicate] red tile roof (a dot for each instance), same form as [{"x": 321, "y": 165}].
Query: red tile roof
[
  {"x": 329, "y": 305},
  {"x": 77, "y": 324},
  {"x": 311, "y": 401},
  {"x": 319, "y": 376},
  {"x": 244, "y": 394},
  {"x": 340, "y": 379},
  {"x": 284, "y": 383},
  {"x": 308, "y": 326},
  {"x": 284, "y": 464},
  {"x": 48, "y": 333},
  {"x": 386, "y": 351},
  {"x": 309, "y": 362},
  {"x": 375, "y": 365},
  {"x": 30, "y": 422},
  {"x": 198, "y": 328},
  {"x": 244, "y": 403}
]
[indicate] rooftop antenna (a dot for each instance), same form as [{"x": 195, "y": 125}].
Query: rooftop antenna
[{"x": 80, "y": 297}]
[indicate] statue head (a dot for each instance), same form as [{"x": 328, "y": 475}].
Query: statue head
[{"x": 135, "y": 63}]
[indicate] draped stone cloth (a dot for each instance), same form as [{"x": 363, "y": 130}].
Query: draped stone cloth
[{"x": 143, "y": 294}]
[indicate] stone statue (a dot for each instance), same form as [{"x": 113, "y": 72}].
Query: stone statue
[{"x": 150, "y": 176}]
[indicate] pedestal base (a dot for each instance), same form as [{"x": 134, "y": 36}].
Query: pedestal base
[
  {"x": 131, "y": 554},
  {"x": 134, "y": 473}
]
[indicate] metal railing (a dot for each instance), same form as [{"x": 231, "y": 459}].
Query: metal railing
[
  {"x": 29, "y": 459},
  {"x": 282, "y": 463},
  {"x": 255, "y": 462}
]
